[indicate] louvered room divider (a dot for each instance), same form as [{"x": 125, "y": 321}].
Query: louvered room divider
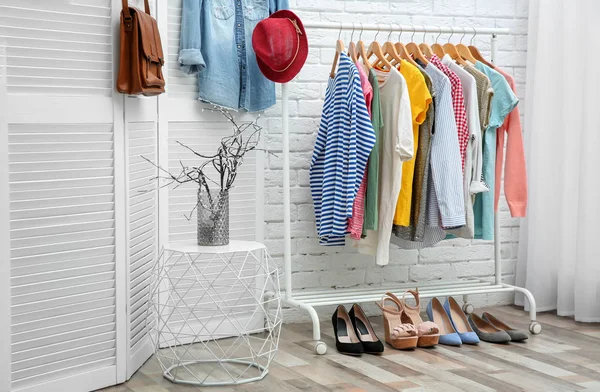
[{"x": 81, "y": 220}]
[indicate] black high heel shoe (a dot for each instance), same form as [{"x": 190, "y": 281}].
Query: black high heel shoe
[
  {"x": 364, "y": 331},
  {"x": 346, "y": 340}
]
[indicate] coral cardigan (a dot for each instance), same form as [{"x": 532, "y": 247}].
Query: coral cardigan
[{"x": 515, "y": 174}]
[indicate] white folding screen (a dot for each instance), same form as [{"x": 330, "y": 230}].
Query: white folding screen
[
  {"x": 81, "y": 220},
  {"x": 63, "y": 194}
]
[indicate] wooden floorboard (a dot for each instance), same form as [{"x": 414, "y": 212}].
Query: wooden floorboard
[{"x": 565, "y": 357}]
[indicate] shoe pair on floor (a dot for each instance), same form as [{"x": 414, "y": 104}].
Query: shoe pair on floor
[
  {"x": 354, "y": 334},
  {"x": 490, "y": 329},
  {"x": 403, "y": 325},
  {"x": 457, "y": 328}
]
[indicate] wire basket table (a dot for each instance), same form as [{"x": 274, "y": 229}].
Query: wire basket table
[{"x": 214, "y": 313}]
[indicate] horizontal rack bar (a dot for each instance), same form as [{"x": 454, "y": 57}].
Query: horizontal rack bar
[
  {"x": 406, "y": 28},
  {"x": 369, "y": 294}
]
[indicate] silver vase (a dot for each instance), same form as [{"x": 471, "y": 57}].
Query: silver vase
[{"x": 213, "y": 217}]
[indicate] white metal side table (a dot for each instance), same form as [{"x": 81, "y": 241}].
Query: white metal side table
[{"x": 214, "y": 313}]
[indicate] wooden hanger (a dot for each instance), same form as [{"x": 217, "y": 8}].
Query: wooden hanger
[
  {"x": 362, "y": 51},
  {"x": 390, "y": 52},
  {"x": 450, "y": 49},
  {"x": 437, "y": 48},
  {"x": 375, "y": 49},
  {"x": 425, "y": 48},
  {"x": 402, "y": 51},
  {"x": 476, "y": 53},
  {"x": 414, "y": 49},
  {"x": 339, "y": 48},
  {"x": 463, "y": 51},
  {"x": 352, "y": 47}
]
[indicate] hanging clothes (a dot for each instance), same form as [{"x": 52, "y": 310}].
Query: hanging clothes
[
  {"x": 515, "y": 174},
  {"x": 445, "y": 203},
  {"x": 469, "y": 89},
  {"x": 503, "y": 103},
  {"x": 416, "y": 229},
  {"x": 446, "y": 166},
  {"x": 485, "y": 93},
  {"x": 420, "y": 99},
  {"x": 355, "y": 223},
  {"x": 371, "y": 220},
  {"x": 408, "y": 156},
  {"x": 397, "y": 146},
  {"x": 215, "y": 44},
  {"x": 344, "y": 141},
  {"x": 458, "y": 104}
]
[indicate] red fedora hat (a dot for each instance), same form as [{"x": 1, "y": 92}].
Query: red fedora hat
[{"x": 281, "y": 47}]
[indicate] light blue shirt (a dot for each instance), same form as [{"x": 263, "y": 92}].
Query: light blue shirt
[
  {"x": 446, "y": 165},
  {"x": 344, "y": 142},
  {"x": 216, "y": 43},
  {"x": 445, "y": 201},
  {"x": 503, "y": 102}
]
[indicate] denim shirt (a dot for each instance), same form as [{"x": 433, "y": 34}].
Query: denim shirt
[{"x": 216, "y": 43}]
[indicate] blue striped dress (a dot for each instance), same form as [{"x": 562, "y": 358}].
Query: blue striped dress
[{"x": 344, "y": 142}]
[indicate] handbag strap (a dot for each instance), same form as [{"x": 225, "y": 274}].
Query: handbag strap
[{"x": 126, "y": 8}]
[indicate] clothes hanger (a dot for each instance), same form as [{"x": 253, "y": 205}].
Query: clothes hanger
[
  {"x": 390, "y": 51},
  {"x": 339, "y": 48},
  {"x": 451, "y": 50},
  {"x": 375, "y": 49},
  {"x": 414, "y": 49},
  {"x": 352, "y": 47},
  {"x": 463, "y": 51},
  {"x": 361, "y": 49},
  {"x": 402, "y": 51},
  {"x": 437, "y": 48},
  {"x": 476, "y": 53},
  {"x": 425, "y": 48}
]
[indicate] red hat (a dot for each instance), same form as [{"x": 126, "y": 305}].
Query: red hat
[{"x": 280, "y": 45}]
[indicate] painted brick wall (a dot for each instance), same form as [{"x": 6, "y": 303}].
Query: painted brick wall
[{"x": 320, "y": 267}]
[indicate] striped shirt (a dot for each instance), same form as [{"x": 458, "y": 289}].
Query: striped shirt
[
  {"x": 344, "y": 141},
  {"x": 446, "y": 167},
  {"x": 458, "y": 104},
  {"x": 355, "y": 223}
]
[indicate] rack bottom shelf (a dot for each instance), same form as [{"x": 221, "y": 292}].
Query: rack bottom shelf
[
  {"x": 308, "y": 299},
  {"x": 368, "y": 294}
]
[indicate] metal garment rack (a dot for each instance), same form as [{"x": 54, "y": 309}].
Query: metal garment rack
[{"x": 309, "y": 299}]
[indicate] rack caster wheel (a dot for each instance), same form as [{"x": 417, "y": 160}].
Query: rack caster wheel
[
  {"x": 535, "y": 328},
  {"x": 320, "y": 348},
  {"x": 468, "y": 308}
]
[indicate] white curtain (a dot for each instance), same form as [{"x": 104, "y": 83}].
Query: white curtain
[{"x": 559, "y": 250}]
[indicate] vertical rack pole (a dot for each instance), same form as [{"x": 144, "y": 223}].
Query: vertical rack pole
[
  {"x": 287, "y": 235},
  {"x": 497, "y": 245}
]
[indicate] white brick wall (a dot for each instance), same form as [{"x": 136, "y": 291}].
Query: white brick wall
[{"x": 316, "y": 266}]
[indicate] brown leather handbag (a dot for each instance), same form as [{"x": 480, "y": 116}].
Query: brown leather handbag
[{"x": 142, "y": 59}]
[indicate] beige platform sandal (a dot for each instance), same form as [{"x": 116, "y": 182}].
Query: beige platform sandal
[
  {"x": 400, "y": 333},
  {"x": 428, "y": 331}
]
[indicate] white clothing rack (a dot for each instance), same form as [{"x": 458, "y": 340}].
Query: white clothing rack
[{"x": 308, "y": 299}]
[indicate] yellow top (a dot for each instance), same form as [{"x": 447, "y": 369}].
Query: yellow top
[{"x": 420, "y": 99}]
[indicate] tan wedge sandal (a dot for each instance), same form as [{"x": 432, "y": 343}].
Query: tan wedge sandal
[
  {"x": 400, "y": 333},
  {"x": 428, "y": 331}
]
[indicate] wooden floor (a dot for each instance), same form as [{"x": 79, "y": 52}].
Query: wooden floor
[{"x": 565, "y": 357}]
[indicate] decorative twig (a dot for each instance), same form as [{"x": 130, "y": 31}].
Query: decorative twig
[{"x": 227, "y": 160}]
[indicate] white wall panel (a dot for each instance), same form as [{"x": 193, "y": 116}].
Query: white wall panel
[
  {"x": 62, "y": 250},
  {"x": 142, "y": 226},
  {"x": 63, "y": 180}
]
